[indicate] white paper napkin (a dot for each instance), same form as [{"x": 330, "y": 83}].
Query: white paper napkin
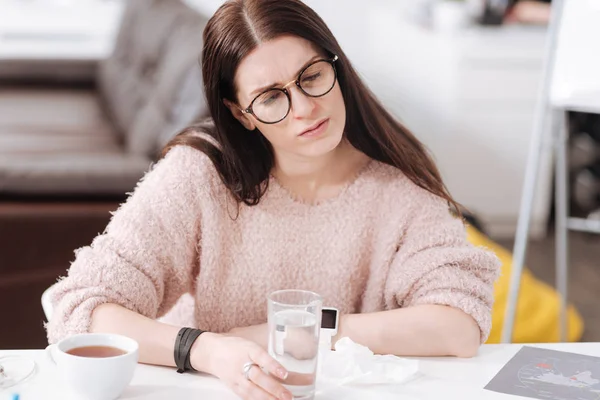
[{"x": 354, "y": 365}]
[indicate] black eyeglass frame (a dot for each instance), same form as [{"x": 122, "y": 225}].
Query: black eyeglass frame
[{"x": 248, "y": 110}]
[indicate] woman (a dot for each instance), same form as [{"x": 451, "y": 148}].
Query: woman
[
  {"x": 536, "y": 12},
  {"x": 306, "y": 181}
]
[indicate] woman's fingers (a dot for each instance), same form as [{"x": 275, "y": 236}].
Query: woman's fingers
[
  {"x": 262, "y": 358},
  {"x": 247, "y": 390},
  {"x": 269, "y": 384},
  {"x": 262, "y": 381}
]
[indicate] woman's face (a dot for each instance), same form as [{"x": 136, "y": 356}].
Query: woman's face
[{"x": 274, "y": 64}]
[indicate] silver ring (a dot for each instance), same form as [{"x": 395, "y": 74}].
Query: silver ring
[{"x": 247, "y": 367}]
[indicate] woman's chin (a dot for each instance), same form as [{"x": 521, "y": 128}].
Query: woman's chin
[{"x": 322, "y": 147}]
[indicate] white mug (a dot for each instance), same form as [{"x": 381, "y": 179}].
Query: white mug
[{"x": 102, "y": 378}]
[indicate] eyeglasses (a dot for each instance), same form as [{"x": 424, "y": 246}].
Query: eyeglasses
[{"x": 315, "y": 80}]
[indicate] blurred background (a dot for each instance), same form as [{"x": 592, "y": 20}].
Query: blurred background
[{"x": 91, "y": 89}]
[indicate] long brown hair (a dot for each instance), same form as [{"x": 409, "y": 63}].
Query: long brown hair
[{"x": 244, "y": 159}]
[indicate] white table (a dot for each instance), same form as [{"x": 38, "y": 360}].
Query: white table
[{"x": 447, "y": 378}]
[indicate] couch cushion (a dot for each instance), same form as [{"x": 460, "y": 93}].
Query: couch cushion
[
  {"x": 74, "y": 112},
  {"x": 151, "y": 85},
  {"x": 58, "y": 141},
  {"x": 47, "y": 141},
  {"x": 176, "y": 101},
  {"x": 71, "y": 173}
]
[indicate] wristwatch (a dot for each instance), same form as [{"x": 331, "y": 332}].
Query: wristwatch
[{"x": 330, "y": 318}]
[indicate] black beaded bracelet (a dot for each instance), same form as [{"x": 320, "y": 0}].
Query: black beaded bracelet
[{"x": 183, "y": 345}]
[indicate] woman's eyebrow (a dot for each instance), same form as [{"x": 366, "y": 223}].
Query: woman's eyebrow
[{"x": 274, "y": 85}]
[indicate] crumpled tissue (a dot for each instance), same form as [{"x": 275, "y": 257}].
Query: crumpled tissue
[{"x": 354, "y": 365}]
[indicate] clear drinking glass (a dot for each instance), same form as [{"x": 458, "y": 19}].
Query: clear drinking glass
[
  {"x": 294, "y": 327},
  {"x": 15, "y": 369}
]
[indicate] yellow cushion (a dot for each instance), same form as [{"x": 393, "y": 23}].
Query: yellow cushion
[{"x": 537, "y": 316}]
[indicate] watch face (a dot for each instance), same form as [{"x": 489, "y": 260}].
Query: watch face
[{"x": 328, "y": 319}]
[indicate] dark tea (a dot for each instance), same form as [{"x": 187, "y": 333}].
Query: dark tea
[{"x": 96, "y": 351}]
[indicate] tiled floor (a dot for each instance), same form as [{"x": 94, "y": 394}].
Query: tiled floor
[{"x": 584, "y": 274}]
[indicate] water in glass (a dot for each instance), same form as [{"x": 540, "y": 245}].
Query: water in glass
[{"x": 294, "y": 342}]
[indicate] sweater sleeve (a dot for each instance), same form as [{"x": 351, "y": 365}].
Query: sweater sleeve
[
  {"x": 147, "y": 256},
  {"x": 435, "y": 264}
]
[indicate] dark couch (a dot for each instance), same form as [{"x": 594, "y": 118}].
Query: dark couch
[
  {"x": 64, "y": 141},
  {"x": 69, "y": 155}
]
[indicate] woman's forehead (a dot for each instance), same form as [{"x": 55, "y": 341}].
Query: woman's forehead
[{"x": 276, "y": 61}]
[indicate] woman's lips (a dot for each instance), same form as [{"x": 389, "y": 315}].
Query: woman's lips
[{"x": 318, "y": 129}]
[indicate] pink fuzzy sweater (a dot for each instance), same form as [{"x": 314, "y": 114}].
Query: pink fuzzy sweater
[{"x": 173, "y": 252}]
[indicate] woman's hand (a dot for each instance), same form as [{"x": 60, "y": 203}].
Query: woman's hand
[
  {"x": 530, "y": 12},
  {"x": 225, "y": 358}
]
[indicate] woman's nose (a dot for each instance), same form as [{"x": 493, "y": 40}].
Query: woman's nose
[{"x": 302, "y": 105}]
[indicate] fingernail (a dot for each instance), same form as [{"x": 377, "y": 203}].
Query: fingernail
[{"x": 282, "y": 373}]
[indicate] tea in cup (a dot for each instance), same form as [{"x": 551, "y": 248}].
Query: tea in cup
[{"x": 97, "y": 366}]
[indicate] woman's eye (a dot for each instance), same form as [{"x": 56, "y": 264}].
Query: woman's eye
[
  {"x": 271, "y": 98},
  {"x": 312, "y": 77}
]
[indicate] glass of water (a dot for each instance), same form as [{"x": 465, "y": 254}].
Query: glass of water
[{"x": 294, "y": 327}]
